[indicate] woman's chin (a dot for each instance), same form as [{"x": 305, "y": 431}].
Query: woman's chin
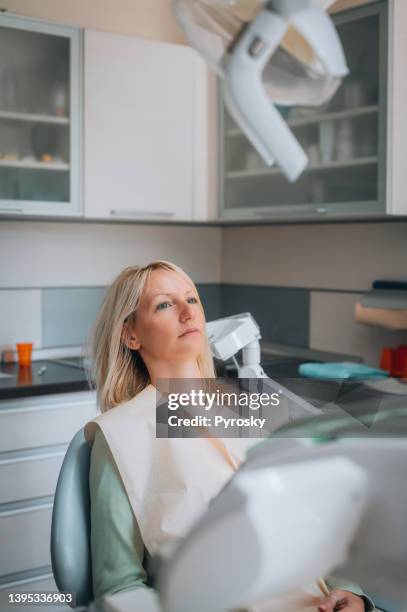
[{"x": 192, "y": 347}]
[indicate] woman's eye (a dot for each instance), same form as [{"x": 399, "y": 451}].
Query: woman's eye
[
  {"x": 163, "y": 305},
  {"x": 194, "y": 300}
]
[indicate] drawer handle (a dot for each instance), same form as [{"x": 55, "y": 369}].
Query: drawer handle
[{"x": 142, "y": 213}]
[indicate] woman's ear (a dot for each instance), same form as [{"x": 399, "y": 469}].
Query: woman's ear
[{"x": 130, "y": 339}]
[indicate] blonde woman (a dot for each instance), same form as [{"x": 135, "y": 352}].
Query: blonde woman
[{"x": 145, "y": 491}]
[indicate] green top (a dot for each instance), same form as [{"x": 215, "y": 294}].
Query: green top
[
  {"x": 116, "y": 543},
  {"x": 117, "y": 548}
]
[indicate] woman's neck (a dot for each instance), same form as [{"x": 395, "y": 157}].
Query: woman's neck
[{"x": 175, "y": 370}]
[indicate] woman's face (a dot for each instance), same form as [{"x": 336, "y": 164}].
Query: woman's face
[{"x": 170, "y": 322}]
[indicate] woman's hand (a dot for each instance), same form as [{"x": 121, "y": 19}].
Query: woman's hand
[{"x": 342, "y": 601}]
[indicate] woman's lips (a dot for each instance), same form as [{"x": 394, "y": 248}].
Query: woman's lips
[{"x": 190, "y": 331}]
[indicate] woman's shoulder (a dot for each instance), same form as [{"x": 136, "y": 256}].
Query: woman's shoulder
[
  {"x": 139, "y": 408},
  {"x": 100, "y": 446}
]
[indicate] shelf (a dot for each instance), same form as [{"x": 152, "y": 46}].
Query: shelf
[
  {"x": 362, "y": 161},
  {"x": 33, "y": 165},
  {"x": 337, "y": 116},
  {"x": 34, "y": 118}
]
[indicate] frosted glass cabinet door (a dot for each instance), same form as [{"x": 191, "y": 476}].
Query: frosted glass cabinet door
[
  {"x": 345, "y": 141},
  {"x": 39, "y": 118}
]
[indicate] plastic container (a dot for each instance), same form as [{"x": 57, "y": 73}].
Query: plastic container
[
  {"x": 24, "y": 351},
  {"x": 387, "y": 359},
  {"x": 394, "y": 361},
  {"x": 400, "y": 360}
]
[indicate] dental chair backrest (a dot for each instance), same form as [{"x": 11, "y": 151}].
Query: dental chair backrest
[{"x": 70, "y": 529}]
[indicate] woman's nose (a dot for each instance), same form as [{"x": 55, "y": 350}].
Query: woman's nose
[{"x": 187, "y": 312}]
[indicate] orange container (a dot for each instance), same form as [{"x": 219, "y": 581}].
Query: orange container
[
  {"x": 25, "y": 375},
  {"x": 24, "y": 351}
]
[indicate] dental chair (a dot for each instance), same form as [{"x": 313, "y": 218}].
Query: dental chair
[{"x": 70, "y": 528}]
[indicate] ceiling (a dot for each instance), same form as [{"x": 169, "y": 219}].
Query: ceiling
[{"x": 144, "y": 18}]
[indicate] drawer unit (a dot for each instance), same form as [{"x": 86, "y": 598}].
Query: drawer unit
[
  {"x": 25, "y": 538},
  {"x": 29, "y": 476},
  {"x": 44, "y": 421},
  {"x": 34, "y": 434}
]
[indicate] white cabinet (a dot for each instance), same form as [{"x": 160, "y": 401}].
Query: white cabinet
[
  {"x": 34, "y": 434},
  {"x": 145, "y": 129}
]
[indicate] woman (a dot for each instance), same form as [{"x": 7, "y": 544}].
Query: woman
[{"x": 145, "y": 491}]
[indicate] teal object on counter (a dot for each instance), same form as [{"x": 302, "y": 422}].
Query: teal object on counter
[{"x": 341, "y": 370}]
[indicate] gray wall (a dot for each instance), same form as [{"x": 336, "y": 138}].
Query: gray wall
[
  {"x": 53, "y": 274},
  {"x": 300, "y": 281},
  {"x": 333, "y": 264}
]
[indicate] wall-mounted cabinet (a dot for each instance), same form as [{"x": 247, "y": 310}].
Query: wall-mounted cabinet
[
  {"x": 40, "y": 99},
  {"x": 355, "y": 143},
  {"x": 144, "y": 123},
  {"x": 144, "y": 127}
]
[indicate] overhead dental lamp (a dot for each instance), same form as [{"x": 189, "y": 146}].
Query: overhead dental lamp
[
  {"x": 269, "y": 54},
  {"x": 294, "y": 512}
]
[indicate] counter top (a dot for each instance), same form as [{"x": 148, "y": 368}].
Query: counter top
[
  {"x": 41, "y": 378},
  {"x": 66, "y": 375}
]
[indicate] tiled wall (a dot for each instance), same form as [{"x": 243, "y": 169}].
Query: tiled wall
[
  {"x": 300, "y": 282},
  {"x": 333, "y": 264},
  {"x": 36, "y": 254},
  {"x": 281, "y": 312},
  {"x": 63, "y": 316},
  {"x": 53, "y": 275}
]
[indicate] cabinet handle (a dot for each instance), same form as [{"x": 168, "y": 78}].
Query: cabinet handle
[
  {"x": 11, "y": 210},
  {"x": 270, "y": 214},
  {"x": 142, "y": 213},
  {"x": 274, "y": 214}
]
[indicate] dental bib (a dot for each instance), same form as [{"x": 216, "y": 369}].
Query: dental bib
[{"x": 169, "y": 481}]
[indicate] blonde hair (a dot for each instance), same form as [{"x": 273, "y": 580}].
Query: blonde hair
[{"x": 118, "y": 372}]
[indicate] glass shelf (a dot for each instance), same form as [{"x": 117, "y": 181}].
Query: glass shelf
[
  {"x": 32, "y": 118},
  {"x": 33, "y": 165},
  {"x": 333, "y": 165},
  {"x": 296, "y": 122}
]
